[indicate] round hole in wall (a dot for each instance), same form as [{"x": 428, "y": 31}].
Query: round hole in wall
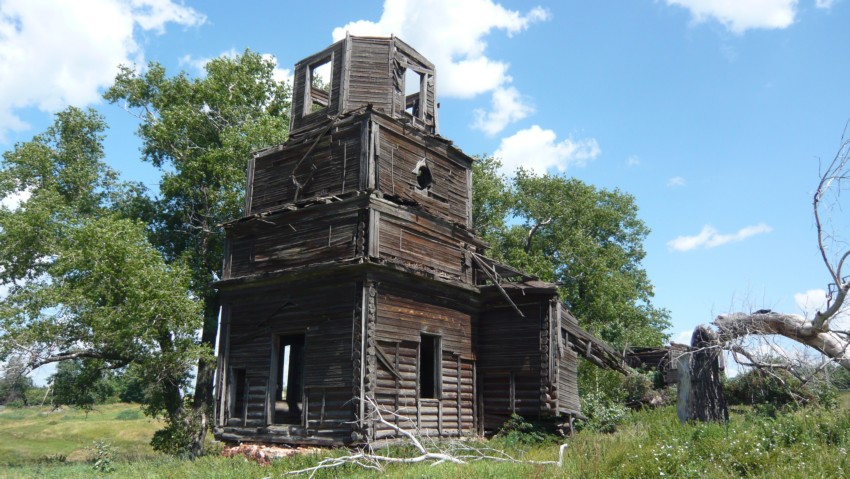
[{"x": 423, "y": 177}]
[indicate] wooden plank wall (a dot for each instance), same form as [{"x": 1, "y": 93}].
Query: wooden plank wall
[
  {"x": 403, "y": 315},
  {"x": 336, "y": 158},
  {"x": 401, "y": 150},
  {"x": 568, "y": 398},
  {"x": 509, "y": 360},
  {"x": 317, "y": 234},
  {"x": 420, "y": 243},
  {"x": 257, "y": 318},
  {"x": 370, "y": 78}
]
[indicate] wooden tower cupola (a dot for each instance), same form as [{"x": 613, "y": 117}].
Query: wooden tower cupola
[{"x": 384, "y": 73}]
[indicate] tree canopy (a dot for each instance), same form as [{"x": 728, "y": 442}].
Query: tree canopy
[
  {"x": 85, "y": 282},
  {"x": 587, "y": 240},
  {"x": 200, "y": 132}
]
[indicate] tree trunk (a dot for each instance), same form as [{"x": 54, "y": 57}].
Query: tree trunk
[
  {"x": 700, "y": 390},
  {"x": 203, "y": 399}
]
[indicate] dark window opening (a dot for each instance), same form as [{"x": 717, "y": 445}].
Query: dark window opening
[
  {"x": 289, "y": 380},
  {"x": 430, "y": 374},
  {"x": 238, "y": 392},
  {"x": 424, "y": 180},
  {"x": 318, "y": 86}
]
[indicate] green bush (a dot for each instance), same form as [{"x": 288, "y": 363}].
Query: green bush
[
  {"x": 770, "y": 391},
  {"x": 603, "y": 413},
  {"x": 517, "y": 431}
]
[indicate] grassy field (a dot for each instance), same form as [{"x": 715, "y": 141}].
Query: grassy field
[
  {"x": 804, "y": 444},
  {"x": 39, "y": 434}
]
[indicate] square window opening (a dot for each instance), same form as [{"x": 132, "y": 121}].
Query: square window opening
[{"x": 318, "y": 86}]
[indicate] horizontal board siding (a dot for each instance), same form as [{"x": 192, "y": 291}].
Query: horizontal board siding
[
  {"x": 402, "y": 318},
  {"x": 419, "y": 244},
  {"x": 317, "y": 234},
  {"x": 336, "y": 158},
  {"x": 370, "y": 81},
  {"x": 398, "y": 155}
]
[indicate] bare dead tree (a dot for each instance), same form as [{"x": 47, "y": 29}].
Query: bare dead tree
[
  {"x": 815, "y": 332},
  {"x": 428, "y": 450}
]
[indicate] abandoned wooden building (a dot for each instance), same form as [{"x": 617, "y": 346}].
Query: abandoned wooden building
[{"x": 353, "y": 281}]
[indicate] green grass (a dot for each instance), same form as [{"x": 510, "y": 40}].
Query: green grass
[
  {"x": 802, "y": 444},
  {"x": 39, "y": 434}
]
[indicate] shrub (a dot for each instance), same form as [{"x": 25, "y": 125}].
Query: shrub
[
  {"x": 774, "y": 390},
  {"x": 102, "y": 451},
  {"x": 517, "y": 431},
  {"x": 603, "y": 413}
]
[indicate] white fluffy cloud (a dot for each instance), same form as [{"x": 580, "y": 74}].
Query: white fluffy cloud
[
  {"x": 15, "y": 200},
  {"x": 824, "y": 4},
  {"x": 538, "y": 150},
  {"x": 633, "y": 160},
  {"x": 60, "y": 52},
  {"x": 811, "y": 301},
  {"x": 814, "y": 300},
  {"x": 739, "y": 16},
  {"x": 507, "y": 107},
  {"x": 711, "y": 238},
  {"x": 452, "y": 35},
  {"x": 199, "y": 64},
  {"x": 676, "y": 181}
]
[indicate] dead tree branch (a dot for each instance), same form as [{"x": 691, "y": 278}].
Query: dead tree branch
[{"x": 454, "y": 451}]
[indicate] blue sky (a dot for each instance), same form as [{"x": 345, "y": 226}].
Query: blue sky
[{"x": 714, "y": 114}]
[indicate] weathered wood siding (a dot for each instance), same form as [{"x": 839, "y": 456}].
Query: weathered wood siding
[
  {"x": 399, "y": 153},
  {"x": 509, "y": 359},
  {"x": 568, "y": 398},
  {"x": 403, "y": 315},
  {"x": 422, "y": 243},
  {"x": 289, "y": 239},
  {"x": 300, "y": 120},
  {"x": 370, "y": 79},
  {"x": 329, "y": 166},
  {"x": 258, "y": 316}
]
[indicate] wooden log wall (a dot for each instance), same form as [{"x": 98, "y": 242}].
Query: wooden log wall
[
  {"x": 300, "y": 120},
  {"x": 509, "y": 359},
  {"x": 399, "y": 153},
  {"x": 336, "y": 158},
  {"x": 403, "y": 315},
  {"x": 256, "y": 318},
  {"x": 289, "y": 239}
]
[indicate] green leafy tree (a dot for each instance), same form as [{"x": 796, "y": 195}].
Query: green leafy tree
[
  {"x": 83, "y": 281},
  {"x": 200, "y": 133},
  {"x": 587, "y": 240},
  {"x": 14, "y": 383},
  {"x": 81, "y": 383}
]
